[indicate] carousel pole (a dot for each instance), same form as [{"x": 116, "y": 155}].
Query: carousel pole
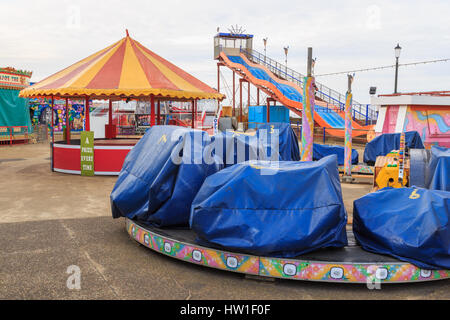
[
  {"x": 87, "y": 119},
  {"x": 152, "y": 110},
  {"x": 159, "y": 113},
  {"x": 347, "y": 177},
  {"x": 53, "y": 122},
  {"x": 67, "y": 122},
  {"x": 110, "y": 112},
  {"x": 192, "y": 111},
  {"x": 109, "y": 133},
  {"x": 53, "y": 133},
  {"x": 196, "y": 112},
  {"x": 307, "y": 138}
]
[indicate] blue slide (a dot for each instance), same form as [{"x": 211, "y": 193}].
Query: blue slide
[{"x": 332, "y": 119}]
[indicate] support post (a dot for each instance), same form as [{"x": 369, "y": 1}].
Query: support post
[
  {"x": 87, "y": 117},
  {"x": 110, "y": 117},
  {"x": 218, "y": 77},
  {"x": 53, "y": 122},
  {"x": 240, "y": 100},
  {"x": 257, "y": 96},
  {"x": 367, "y": 114},
  {"x": 192, "y": 111},
  {"x": 268, "y": 110},
  {"x": 234, "y": 94},
  {"x": 307, "y": 139},
  {"x": 248, "y": 97},
  {"x": 67, "y": 122},
  {"x": 347, "y": 177},
  {"x": 195, "y": 113},
  {"x": 152, "y": 110},
  {"x": 159, "y": 113},
  {"x": 53, "y": 135}
]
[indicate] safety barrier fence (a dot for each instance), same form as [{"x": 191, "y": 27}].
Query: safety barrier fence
[
  {"x": 13, "y": 135},
  {"x": 321, "y": 134}
]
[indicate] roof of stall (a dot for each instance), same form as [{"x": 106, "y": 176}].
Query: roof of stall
[{"x": 124, "y": 69}]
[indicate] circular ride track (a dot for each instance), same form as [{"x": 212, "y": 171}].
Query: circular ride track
[{"x": 345, "y": 265}]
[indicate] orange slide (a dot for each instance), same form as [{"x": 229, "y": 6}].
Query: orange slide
[{"x": 260, "y": 77}]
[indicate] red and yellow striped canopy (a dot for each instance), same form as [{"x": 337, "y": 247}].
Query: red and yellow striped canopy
[{"x": 124, "y": 69}]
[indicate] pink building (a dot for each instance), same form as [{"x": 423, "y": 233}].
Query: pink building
[{"x": 428, "y": 113}]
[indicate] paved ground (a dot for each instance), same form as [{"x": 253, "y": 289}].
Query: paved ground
[{"x": 50, "y": 221}]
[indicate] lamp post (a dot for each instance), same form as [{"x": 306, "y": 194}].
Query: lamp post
[
  {"x": 397, "y": 50},
  {"x": 286, "y": 49},
  {"x": 265, "y": 45}
]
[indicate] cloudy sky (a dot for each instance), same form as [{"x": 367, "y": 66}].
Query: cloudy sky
[{"x": 47, "y": 35}]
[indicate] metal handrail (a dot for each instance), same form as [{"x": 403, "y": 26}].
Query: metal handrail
[{"x": 332, "y": 97}]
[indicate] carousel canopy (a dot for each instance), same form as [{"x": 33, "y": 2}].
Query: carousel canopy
[{"x": 124, "y": 69}]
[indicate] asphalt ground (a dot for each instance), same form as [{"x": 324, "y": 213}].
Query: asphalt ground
[{"x": 50, "y": 221}]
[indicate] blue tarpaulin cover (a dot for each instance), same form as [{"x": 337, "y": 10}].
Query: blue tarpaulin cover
[
  {"x": 385, "y": 143},
  {"x": 155, "y": 185},
  {"x": 288, "y": 142},
  {"x": 439, "y": 169},
  {"x": 259, "y": 209},
  {"x": 323, "y": 150},
  {"x": 411, "y": 224},
  {"x": 235, "y": 147}
]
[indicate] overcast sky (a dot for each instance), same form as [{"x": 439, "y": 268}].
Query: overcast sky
[{"x": 47, "y": 35}]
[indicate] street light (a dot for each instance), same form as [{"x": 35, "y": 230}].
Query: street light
[
  {"x": 265, "y": 45},
  {"x": 397, "y": 50},
  {"x": 286, "y": 49}
]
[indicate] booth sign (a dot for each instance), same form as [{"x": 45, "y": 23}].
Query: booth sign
[{"x": 87, "y": 153}]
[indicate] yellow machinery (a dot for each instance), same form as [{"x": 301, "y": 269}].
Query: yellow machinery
[{"x": 387, "y": 171}]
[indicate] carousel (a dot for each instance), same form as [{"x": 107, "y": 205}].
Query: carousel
[{"x": 126, "y": 70}]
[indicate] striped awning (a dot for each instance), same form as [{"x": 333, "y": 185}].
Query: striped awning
[{"x": 124, "y": 69}]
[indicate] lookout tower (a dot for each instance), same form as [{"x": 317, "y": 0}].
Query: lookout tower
[{"x": 231, "y": 43}]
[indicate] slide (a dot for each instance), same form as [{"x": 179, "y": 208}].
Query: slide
[{"x": 290, "y": 95}]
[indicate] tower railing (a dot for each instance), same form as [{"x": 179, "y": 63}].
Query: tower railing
[{"x": 360, "y": 111}]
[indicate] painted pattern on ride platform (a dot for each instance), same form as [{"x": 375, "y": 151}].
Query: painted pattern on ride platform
[
  {"x": 358, "y": 168},
  {"x": 283, "y": 268},
  {"x": 195, "y": 254}
]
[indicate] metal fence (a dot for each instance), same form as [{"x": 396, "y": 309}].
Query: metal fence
[
  {"x": 13, "y": 134},
  {"x": 360, "y": 111}
]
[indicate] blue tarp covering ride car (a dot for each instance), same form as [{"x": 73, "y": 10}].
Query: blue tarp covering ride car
[
  {"x": 385, "y": 143},
  {"x": 156, "y": 186},
  {"x": 411, "y": 224},
  {"x": 438, "y": 171},
  {"x": 323, "y": 150},
  {"x": 235, "y": 147},
  {"x": 288, "y": 141},
  {"x": 283, "y": 210}
]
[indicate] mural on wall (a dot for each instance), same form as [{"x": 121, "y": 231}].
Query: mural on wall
[{"x": 433, "y": 125}]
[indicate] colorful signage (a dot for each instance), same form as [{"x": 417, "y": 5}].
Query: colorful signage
[
  {"x": 11, "y": 78},
  {"x": 87, "y": 153}
]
